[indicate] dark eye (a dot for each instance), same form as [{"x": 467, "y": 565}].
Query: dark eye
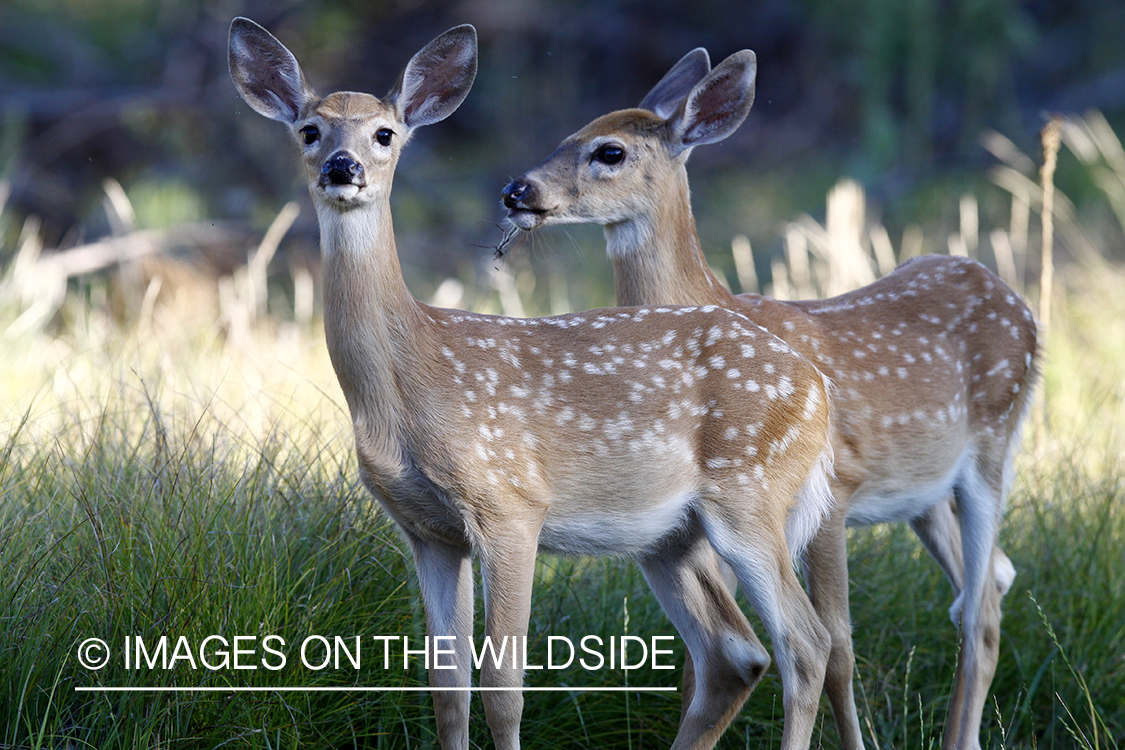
[
  {"x": 383, "y": 136},
  {"x": 610, "y": 154},
  {"x": 310, "y": 134}
]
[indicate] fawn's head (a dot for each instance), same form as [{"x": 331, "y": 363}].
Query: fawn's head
[
  {"x": 351, "y": 141},
  {"x": 612, "y": 170}
]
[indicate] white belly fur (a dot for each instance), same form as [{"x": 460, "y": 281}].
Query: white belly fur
[
  {"x": 613, "y": 528},
  {"x": 884, "y": 502}
]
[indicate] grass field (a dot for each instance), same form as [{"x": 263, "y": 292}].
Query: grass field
[{"x": 162, "y": 479}]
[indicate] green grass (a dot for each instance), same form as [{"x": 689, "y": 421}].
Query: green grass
[
  {"x": 116, "y": 529},
  {"x": 1063, "y": 636}
]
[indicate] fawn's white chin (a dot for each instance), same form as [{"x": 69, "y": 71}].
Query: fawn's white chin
[
  {"x": 342, "y": 193},
  {"x": 527, "y": 220}
]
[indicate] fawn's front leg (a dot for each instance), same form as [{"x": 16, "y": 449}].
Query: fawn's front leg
[
  {"x": 445, "y": 575},
  {"x": 508, "y": 568},
  {"x": 825, "y": 565}
]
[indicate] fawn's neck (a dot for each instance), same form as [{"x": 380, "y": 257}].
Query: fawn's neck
[
  {"x": 375, "y": 329},
  {"x": 656, "y": 256}
]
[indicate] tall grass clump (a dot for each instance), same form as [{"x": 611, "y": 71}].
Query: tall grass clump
[{"x": 123, "y": 518}]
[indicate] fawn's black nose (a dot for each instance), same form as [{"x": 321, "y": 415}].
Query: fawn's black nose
[
  {"x": 516, "y": 191},
  {"x": 341, "y": 169}
]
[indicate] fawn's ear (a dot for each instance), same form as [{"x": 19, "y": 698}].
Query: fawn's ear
[
  {"x": 266, "y": 74},
  {"x": 718, "y": 104},
  {"x": 666, "y": 96},
  {"x": 438, "y": 78}
]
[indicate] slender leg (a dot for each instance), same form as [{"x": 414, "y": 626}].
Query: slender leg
[
  {"x": 760, "y": 558},
  {"x": 508, "y": 565},
  {"x": 978, "y": 510},
  {"x": 687, "y": 578},
  {"x": 826, "y": 574},
  {"x": 687, "y": 687},
  {"x": 939, "y": 530},
  {"x": 445, "y": 575},
  {"x": 940, "y": 533}
]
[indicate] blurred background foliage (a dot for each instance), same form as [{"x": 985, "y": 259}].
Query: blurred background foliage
[{"x": 895, "y": 93}]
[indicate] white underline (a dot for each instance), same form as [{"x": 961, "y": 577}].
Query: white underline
[{"x": 366, "y": 689}]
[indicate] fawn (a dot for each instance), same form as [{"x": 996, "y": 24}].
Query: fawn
[
  {"x": 677, "y": 436},
  {"x": 934, "y": 365}
]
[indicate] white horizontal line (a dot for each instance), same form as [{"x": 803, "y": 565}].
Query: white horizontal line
[{"x": 366, "y": 689}]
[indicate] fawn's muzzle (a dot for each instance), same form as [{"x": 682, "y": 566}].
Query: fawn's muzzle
[{"x": 522, "y": 200}]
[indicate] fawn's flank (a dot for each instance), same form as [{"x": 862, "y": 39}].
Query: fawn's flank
[
  {"x": 934, "y": 365},
  {"x": 679, "y": 436}
]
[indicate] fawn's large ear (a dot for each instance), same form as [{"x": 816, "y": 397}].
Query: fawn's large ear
[
  {"x": 718, "y": 104},
  {"x": 438, "y": 78},
  {"x": 666, "y": 96},
  {"x": 266, "y": 74}
]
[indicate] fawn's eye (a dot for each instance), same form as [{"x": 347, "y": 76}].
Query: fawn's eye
[
  {"x": 309, "y": 134},
  {"x": 383, "y": 136},
  {"x": 610, "y": 153}
]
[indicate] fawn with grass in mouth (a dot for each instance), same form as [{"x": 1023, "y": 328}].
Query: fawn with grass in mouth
[{"x": 934, "y": 365}]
